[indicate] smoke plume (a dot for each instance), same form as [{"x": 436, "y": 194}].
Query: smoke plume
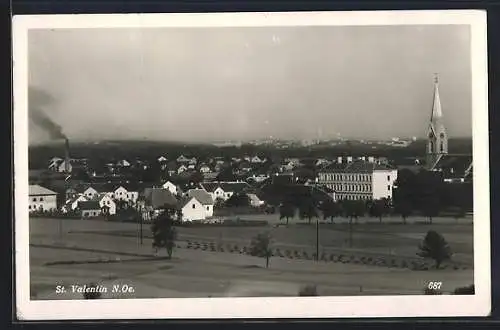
[
  {"x": 42, "y": 120},
  {"x": 37, "y": 100}
]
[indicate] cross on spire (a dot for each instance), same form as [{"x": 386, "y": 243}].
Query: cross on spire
[{"x": 436, "y": 78}]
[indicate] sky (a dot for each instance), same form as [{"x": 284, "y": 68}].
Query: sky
[{"x": 215, "y": 84}]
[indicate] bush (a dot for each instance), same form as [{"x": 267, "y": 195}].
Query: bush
[
  {"x": 308, "y": 291},
  {"x": 429, "y": 291},
  {"x": 466, "y": 290}
]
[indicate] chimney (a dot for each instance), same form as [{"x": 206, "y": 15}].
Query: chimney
[{"x": 66, "y": 155}]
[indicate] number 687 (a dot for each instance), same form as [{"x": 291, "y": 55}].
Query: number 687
[{"x": 435, "y": 285}]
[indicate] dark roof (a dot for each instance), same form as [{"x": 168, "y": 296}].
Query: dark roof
[
  {"x": 89, "y": 205},
  {"x": 201, "y": 195},
  {"x": 159, "y": 197},
  {"x": 407, "y": 161},
  {"x": 356, "y": 167},
  {"x": 226, "y": 186},
  {"x": 454, "y": 166}
]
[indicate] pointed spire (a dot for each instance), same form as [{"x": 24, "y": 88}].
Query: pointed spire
[{"x": 436, "y": 104}]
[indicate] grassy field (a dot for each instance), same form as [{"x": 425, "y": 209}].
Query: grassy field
[{"x": 110, "y": 253}]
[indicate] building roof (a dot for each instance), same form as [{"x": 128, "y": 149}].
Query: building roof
[
  {"x": 99, "y": 196},
  {"x": 357, "y": 167},
  {"x": 159, "y": 197},
  {"x": 37, "y": 190},
  {"x": 74, "y": 199},
  {"x": 226, "y": 186},
  {"x": 89, "y": 205},
  {"x": 185, "y": 200},
  {"x": 454, "y": 166},
  {"x": 201, "y": 195}
]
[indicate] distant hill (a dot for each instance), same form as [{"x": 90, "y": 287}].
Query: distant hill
[{"x": 151, "y": 150}]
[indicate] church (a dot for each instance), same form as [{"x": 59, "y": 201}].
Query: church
[{"x": 456, "y": 168}]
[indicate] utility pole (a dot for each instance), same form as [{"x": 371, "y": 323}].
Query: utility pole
[
  {"x": 141, "y": 220},
  {"x": 350, "y": 232},
  {"x": 317, "y": 239}
]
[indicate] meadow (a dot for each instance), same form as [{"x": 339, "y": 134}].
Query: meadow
[{"x": 111, "y": 252}]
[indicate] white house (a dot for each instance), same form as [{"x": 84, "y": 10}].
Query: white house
[
  {"x": 128, "y": 195},
  {"x": 204, "y": 198},
  {"x": 162, "y": 159},
  {"x": 181, "y": 169},
  {"x": 123, "y": 163},
  {"x": 192, "y": 210},
  {"x": 90, "y": 193},
  {"x": 170, "y": 187},
  {"x": 205, "y": 169},
  {"x": 260, "y": 177},
  {"x": 72, "y": 204},
  {"x": 183, "y": 159},
  {"x": 256, "y": 159},
  {"x": 54, "y": 163},
  {"x": 106, "y": 203},
  {"x": 89, "y": 209},
  {"x": 41, "y": 199},
  {"x": 223, "y": 190},
  {"x": 255, "y": 201}
]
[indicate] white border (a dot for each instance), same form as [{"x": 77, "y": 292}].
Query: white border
[{"x": 303, "y": 307}]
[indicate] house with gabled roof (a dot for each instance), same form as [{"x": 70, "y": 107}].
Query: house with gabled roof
[
  {"x": 107, "y": 204},
  {"x": 41, "y": 199},
  {"x": 183, "y": 159},
  {"x": 224, "y": 190},
  {"x": 158, "y": 199},
  {"x": 72, "y": 204},
  {"x": 192, "y": 209},
  {"x": 204, "y": 198},
  {"x": 170, "y": 186},
  {"x": 89, "y": 209}
]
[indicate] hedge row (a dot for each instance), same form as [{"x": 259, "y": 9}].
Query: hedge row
[{"x": 324, "y": 256}]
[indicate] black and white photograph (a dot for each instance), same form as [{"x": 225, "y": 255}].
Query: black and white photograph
[{"x": 251, "y": 165}]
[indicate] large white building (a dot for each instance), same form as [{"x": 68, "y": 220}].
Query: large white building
[
  {"x": 41, "y": 199},
  {"x": 359, "y": 180}
]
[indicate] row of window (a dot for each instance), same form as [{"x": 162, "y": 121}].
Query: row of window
[
  {"x": 194, "y": 206},
  {"x": 355, "y": 197},
  {"x": 351, "y": 187},
  {"x": 345, "y": 177},
  {"x": 39, "y": 199}
]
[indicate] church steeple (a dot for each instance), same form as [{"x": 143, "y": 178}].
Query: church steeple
[{"x": 437, "y": 139}]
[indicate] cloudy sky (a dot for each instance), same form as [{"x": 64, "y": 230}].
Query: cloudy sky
[{"x": 207, "y": 84}]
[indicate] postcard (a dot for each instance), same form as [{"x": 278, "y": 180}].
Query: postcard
[{"x": 251, "y": 165}]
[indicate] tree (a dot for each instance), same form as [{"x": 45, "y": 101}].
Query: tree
[
  {"x": 435, "y": 247},
  {"x": 354, "y": 209},
  {"x": 404, "y": 208},
  {"x": 330, "y": 209},
  {"x": 219, "y": 203},
  {"x": 308, "y": 291},
  {"x": 287, "y": 211},
  {"x": 238, "y": 200},
  {"x": 260, "y": 246},
  {"x": 430, "y": 186},
  {"x": 465, "y": 290},
  {"x": 458, "y": 212},
  {"x": 431, "y": 206},
  {"x": 164, "y": 232},
  {"x": 307, "y": 210},
  {"x": 379, "y": 208}
]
